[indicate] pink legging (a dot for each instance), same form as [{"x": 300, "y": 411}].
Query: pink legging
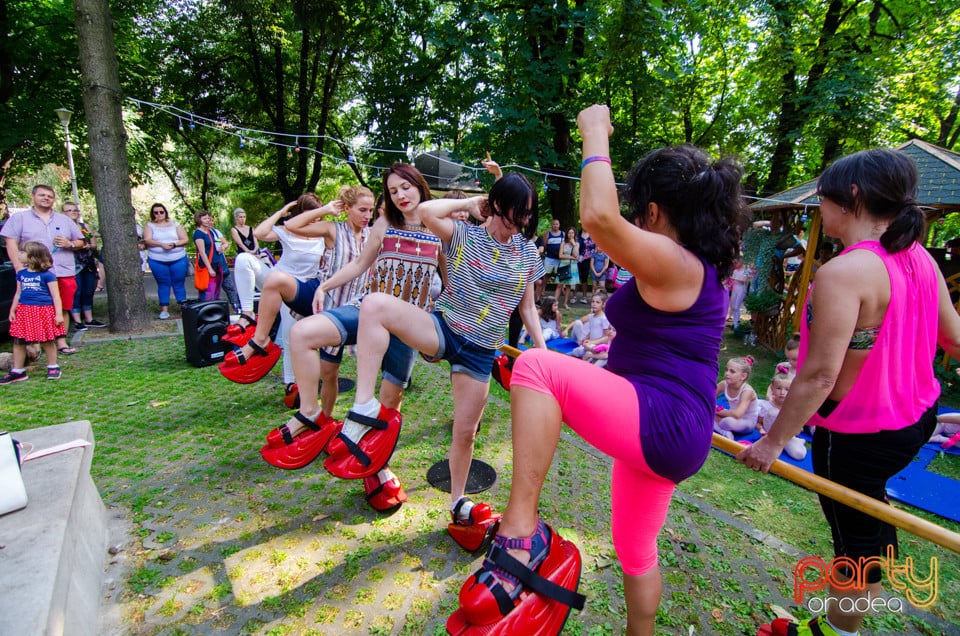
[{"x": 602, "y": 408}]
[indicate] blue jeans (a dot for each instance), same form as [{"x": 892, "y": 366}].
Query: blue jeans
[
  {"x": 86, "y": 288},
  {"x": 464, "y": 356},
  {"x": 397, "y": 365},
  {"x": 170, "y": 274}
]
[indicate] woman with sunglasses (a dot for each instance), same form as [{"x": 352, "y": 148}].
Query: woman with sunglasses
[{"x": 165, "y": 240}]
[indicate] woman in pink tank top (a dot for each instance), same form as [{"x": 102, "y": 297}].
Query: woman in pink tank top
[{"x": 869, "y": 334}]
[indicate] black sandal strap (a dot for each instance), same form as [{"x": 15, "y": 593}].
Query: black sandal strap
[
  {"x": 366, "y": 420},
  {"x": 376, "y": 491},
  {"x": 534, "y": 581},
  {"x": 503, "y": 599},
  {"x": 257, "y": 349},
  {"x": 355, "y": 450},
  {"x": 242, "y": 359},
  {"x": 306, "y": 421}
]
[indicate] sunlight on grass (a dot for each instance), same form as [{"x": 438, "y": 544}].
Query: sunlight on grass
[{"x": 224, "y": 542}]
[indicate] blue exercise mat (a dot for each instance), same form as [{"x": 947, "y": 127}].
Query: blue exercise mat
[{"x": 560, "y": 345}]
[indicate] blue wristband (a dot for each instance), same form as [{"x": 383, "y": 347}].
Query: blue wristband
[{"x": 589, "y": 160}]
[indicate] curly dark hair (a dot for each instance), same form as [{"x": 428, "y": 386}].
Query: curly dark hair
[
  {"x": 886, "y": 183},
  {"x": 700, "y": 197}
]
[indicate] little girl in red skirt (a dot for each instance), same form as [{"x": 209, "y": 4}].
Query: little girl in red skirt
[{"x": 36, "y": 314}]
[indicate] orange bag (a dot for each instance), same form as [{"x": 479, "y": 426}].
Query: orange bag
[{"x": 201, "y": 275}]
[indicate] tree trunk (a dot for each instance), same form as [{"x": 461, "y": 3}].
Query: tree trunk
[
  {"x": 561, "y": 194},
  {"x": 99, "y": 70}
]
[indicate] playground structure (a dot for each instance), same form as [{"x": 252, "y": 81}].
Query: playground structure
[{"x": 938, "y": 193}]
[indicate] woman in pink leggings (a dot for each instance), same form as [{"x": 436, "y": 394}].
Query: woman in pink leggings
[{"x": 654, "y": 416}]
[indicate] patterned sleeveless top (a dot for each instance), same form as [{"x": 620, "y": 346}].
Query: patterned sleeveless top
[
  {"x": 405, "y": 266},
  {"x": 345, "y": 249}
]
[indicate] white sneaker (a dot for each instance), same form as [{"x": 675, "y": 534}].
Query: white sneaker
[{"x": 164, "y": 315}]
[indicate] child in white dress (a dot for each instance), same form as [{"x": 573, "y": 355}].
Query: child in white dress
[
  {"x": 796, "y": 448},
  {"x": 737, "y": 406}
]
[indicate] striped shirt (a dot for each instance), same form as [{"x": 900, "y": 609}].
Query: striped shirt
[
  {"x": 485, "y": 281},
  {"x": 345, "y": 249}
]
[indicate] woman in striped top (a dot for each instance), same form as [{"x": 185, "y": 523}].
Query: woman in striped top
[{"x": 491, "y": 269}]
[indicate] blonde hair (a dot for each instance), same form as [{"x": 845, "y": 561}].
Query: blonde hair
[
  {"x": 351, "y": 194},
  {"x": 38, "y": 257},
  {"x": 745, "y": 364},
  {"x": 779, "y": 376}
]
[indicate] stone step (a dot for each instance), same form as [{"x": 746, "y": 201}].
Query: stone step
[{"x": 52, "y": 552}]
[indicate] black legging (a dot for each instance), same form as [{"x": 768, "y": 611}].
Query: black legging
[{"x": 515, "y": 327}]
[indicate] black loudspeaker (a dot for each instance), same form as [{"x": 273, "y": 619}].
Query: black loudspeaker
[{"x": 204, "y": 325}]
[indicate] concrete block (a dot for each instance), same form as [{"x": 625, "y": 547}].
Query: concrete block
[{"x": 53, "y": 554}]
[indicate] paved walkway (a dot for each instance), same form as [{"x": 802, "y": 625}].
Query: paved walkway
[
  {"x": 209, "y": 539},
  {"x": 215, "y": 541}
]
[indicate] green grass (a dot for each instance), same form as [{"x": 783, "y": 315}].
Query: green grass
[{"x": 218, "y": 532}]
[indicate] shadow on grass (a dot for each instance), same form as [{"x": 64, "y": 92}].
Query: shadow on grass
[{"x": 222, "y": 541}]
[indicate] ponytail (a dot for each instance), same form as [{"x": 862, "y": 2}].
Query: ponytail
[
  {"x": 886, "y": 184},
  {"x": 904, "y": 230}
]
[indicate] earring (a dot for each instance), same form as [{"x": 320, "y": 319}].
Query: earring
[{"x": 843, "y": 210}]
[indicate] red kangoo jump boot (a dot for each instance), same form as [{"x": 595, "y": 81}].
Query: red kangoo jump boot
[
  {"x": 503, "y": 370},
  {"x": 544, "y": 590},
  {"x": 237, "y": 368},
  {"x": 289, "y": 452},
  {"x": 474, "y": 533},
  {"x": 241, "y": 331},
  {"x": 291, "y": 396},
  {"x": 356, "y": 460},
  {"x": 386, "y": 496},
  {"x": 816, "y": 626}
]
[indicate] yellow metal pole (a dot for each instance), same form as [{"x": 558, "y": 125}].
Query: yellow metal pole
[{"x": 877, "y": 509}]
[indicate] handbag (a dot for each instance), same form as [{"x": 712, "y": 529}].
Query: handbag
[
  {"x": 13, "y": 495},
  {"x": 201, "y": 275}
]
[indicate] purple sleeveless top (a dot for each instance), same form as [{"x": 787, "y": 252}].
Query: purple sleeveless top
[{"x": 671, "y": 358}]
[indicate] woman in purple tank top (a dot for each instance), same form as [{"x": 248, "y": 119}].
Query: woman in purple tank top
[{"x": 654, "y": 416}]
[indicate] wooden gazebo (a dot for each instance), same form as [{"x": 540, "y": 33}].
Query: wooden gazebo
[{"x": 939, "y": 195}]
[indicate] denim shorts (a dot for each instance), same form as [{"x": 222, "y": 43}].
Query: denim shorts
[
  {"x": 463, "y": 355},
  {"x": 398, "y": 361},
  {"x": 302, "y": 303}
]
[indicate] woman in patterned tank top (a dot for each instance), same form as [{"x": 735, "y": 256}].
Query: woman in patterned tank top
[{"x": 401, "y": 257}]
